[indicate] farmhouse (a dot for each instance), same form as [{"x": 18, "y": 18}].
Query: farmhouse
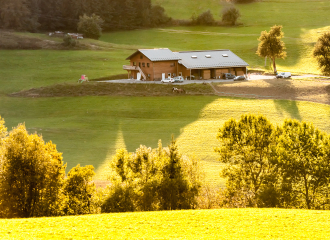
[{"x": 157, "y": 64}]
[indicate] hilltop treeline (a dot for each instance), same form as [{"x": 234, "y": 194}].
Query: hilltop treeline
[{"x": 50, "y": 15}]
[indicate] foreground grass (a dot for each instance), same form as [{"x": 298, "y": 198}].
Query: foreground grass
[{"x": 193, "y": 224}]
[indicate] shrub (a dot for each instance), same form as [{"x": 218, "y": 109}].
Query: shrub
[
  {"x": 120, "y": 199},
  {"x": 90, "y": 26},
  {"x": 79, "y": 191},
  {"x": 205, "y": 18},
  {"x": 230, "y": 15},
  {"x": 69, "y": 41}
]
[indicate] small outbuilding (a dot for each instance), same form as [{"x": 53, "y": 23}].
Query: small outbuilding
[{"x": 157, "y": 64}]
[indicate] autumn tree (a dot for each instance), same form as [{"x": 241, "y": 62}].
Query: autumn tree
[
  {"x": 31, "y": 176},
  {"x": 270, "y": 45},
  {"x": 322, "y": 53},
  {"x": 80, "y": 191}
]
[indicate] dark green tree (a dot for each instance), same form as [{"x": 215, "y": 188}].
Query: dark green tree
[
  {"x": 270, "y": 45},
  {"x": 15, "y": 14},
  {"x": 90, "y": 26},
  {"x": 205, "y": 18},
  {"x": 230, "y": 15},
  {"x": 322, "y": 53}
]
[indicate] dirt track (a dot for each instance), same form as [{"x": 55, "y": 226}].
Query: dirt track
[{"x": 305, "y": 90}]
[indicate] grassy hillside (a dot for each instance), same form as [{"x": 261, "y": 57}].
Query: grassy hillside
[
  {"x": 303, "y": 21},
  {"x": 198, "y": 224},
  {"x": 89, "y": 129}
]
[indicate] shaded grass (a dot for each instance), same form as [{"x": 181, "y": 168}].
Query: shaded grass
[{"x": 193, "y": 224}]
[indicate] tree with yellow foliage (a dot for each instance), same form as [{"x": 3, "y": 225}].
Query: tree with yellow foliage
[{"x": 31, "y": 175}]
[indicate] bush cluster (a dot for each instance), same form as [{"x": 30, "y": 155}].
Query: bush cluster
[
  {"x": 229, "y": 16},
  {"x": 153, "y": 179},
  {"x": 33, "y": 181}
]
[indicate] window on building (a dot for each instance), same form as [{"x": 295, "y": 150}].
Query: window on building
[
  {"x": 148, "y": 64},
  {"x": 139, "y": 64},
  {"x": 172, "y": 65},
  {"x": 143, "y": 64},
  {"x": 134, "y": 63}
]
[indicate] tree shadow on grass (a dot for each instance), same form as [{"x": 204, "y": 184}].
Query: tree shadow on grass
[{"x": 287, "y": 106}]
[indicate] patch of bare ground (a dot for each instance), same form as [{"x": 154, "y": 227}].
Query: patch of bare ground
[
  {"x": 303, "y": 90},
  {"x": 112, "y": 89}
]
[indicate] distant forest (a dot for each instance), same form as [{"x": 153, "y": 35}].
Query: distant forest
[{"x": 51, "y": 15}]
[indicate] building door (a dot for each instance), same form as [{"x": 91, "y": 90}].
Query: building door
[{"x": 163, "y": 76}]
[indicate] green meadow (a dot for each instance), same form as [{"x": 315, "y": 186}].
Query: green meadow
[
  {"x": 193, "y": 224},
  {"x": 89, "y": 129},
  {"x": 303, "y": 22}
]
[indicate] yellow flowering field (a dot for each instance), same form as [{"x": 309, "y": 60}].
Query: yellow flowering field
[{"x": 192, "y": 224}]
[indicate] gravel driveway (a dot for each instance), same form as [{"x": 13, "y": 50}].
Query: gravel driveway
[{"x": 251, "y": 77}]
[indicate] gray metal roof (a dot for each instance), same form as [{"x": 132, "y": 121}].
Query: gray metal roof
[
  {"x": 157, "y": 54},
  {"x": 210, "y": 59}
]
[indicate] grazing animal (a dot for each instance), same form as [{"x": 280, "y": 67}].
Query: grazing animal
[{"x": 178, "y": 90}]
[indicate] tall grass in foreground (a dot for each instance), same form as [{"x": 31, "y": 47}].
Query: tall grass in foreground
[{"x": 193, "y": 224}]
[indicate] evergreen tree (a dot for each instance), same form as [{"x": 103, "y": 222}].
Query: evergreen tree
[{"x": 15, "y": 14}]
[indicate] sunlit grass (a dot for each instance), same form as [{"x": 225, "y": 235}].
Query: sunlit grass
[
  {"x": 88, "y": 130},
  {"x": 193, "y": 224}
]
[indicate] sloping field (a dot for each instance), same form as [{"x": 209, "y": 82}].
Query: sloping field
[
  {"x": 193, "y": 224},
  {"x": 89, "y": 129},
  {"x": 303, "y": 22}
]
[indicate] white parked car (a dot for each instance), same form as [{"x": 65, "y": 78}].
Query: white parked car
[
  {"x": 167, "y": 80},
  {"x": 239, "y": 78},
  {"x": 283, "y": 75},
  {"x": 178, "y": 79}
]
